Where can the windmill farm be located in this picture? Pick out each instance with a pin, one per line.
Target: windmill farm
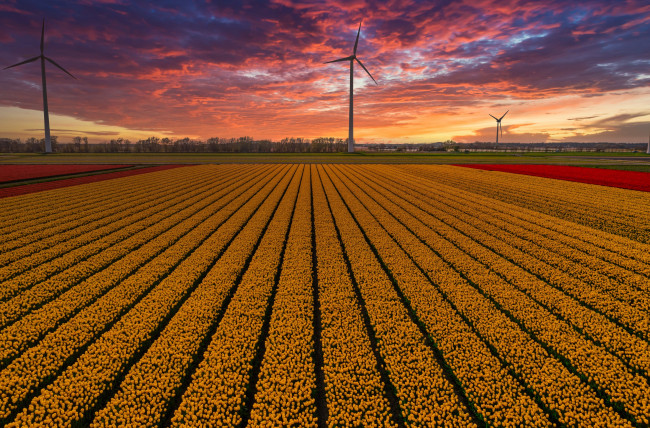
(257, 288)
(352, 58)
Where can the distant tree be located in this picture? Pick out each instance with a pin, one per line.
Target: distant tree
(55, 140)
(76, 141)
(450, 145)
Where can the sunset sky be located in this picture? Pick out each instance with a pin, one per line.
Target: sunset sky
(566, 70)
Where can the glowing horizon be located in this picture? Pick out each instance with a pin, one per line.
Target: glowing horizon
(566, 72)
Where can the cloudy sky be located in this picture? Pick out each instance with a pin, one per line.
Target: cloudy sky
(567, 70)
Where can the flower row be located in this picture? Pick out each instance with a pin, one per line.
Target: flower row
(354, 388)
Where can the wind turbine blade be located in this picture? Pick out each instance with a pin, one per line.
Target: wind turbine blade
(364, 67)
(347, 58)
(63, 69)
(42, 36)
(501, 128)
(356, 43)
(494, 118)
(24, 62)
(504, 115)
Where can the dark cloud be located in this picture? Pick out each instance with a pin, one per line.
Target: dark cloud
(582, 118)
(635, 132)
(617, 120)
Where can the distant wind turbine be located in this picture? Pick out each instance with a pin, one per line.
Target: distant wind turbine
(648, 151)
(43, 58)
(353, 58)
(499, 127)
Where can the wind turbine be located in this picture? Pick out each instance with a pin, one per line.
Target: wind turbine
(499, 127)
(648, 151)
(43, 58)
(353, 58)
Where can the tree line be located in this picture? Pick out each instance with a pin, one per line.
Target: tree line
(183, 145)
(288, 145)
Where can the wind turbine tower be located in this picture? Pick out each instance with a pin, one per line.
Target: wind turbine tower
(353, 58)
(499, 125)
(648, 151)
(43, 58)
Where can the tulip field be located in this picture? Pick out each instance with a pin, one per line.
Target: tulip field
(325, 295)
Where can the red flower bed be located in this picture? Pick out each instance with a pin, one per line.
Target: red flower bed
(25, 172)
(634, 180)
(31, 188)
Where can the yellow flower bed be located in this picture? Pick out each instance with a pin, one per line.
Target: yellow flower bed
(441, 295)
